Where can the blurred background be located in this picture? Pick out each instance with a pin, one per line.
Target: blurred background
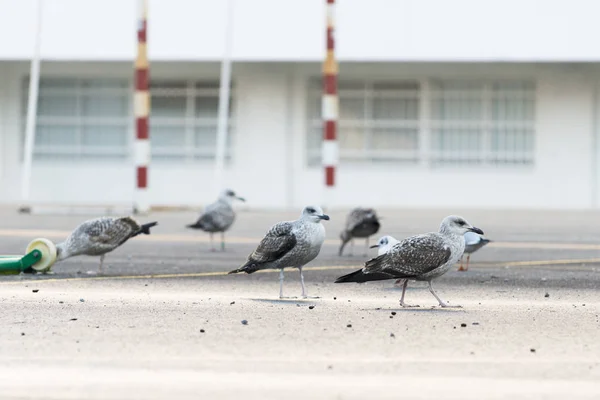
(483, 104)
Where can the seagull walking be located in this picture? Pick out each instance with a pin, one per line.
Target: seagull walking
(473, 242)
(423, 257)
(289, 244)
(360, 223)
(218, 217)
(99, 236)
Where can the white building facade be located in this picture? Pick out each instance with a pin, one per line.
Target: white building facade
(461, 103)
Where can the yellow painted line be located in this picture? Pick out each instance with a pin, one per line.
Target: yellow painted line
(316, 268)
(204, 238)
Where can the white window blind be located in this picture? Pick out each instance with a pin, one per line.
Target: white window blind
(183, 120)
(451, 122)
(81, 118)
(378, 121)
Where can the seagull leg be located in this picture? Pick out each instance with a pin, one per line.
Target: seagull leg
(399, 281)
(461, 264)
(366, 247)
(281, 283)
(351, 248)
(222, 241)
(212, 246)
(442, 304)
(468, 259)
(402, 303)
(302, 283)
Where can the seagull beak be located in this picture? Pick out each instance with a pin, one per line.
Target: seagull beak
(325, 217)
(241, 199)
(374, 246)
(476, 230)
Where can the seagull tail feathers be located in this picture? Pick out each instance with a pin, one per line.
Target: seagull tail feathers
(145, 228)
(195, 225)
(360, 277)
(248, 268)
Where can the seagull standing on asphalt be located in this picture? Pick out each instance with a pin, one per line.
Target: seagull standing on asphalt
(289, 244)
(360, 223)
(218, 217)
(99, 236)
(423, 257)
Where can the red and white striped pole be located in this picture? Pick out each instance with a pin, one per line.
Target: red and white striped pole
(330, 151)
(142, 111)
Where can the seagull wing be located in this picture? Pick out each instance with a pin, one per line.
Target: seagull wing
(111, 233)
(413, 256)
(278, 241)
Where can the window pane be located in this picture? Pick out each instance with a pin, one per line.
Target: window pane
(56, 135)
(206, 137)
(104, 106)
(352, 109)
(395, 139)
(208, 107)
(104, 136)
(57, 106)
(168, 136)
(396, 109)
(170, 107)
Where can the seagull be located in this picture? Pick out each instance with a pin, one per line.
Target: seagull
(384, 244)
(289, 244)
(218, 217)
(421, 257)
(99, 236)
(473, 242)
(360, 223)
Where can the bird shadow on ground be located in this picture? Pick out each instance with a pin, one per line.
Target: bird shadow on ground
(290, 301)
(415, 309)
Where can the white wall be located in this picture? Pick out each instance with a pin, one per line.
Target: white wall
(269, 166)
(293, 30)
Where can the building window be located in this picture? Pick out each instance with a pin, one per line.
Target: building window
(482, 122)
(378, 121)
(433, 122)
(79, 118)
(183, 120)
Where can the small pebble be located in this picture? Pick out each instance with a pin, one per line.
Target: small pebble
(475, 323)
(82, 300)
(22, 333)
(349, 326)
(201, 330)
(232, 303)
(330, 367)
(393, 312)
(311, 307)
(73, 319)
(35, 290)
(392, 335)
(463, 325)
(335, 298)
(244, 322)
(391, 316)
(61, 302)
(532, 350)
(547, 294)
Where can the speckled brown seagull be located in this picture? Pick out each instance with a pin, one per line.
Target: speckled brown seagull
(422, 257)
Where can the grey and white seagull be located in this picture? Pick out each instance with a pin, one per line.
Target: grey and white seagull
(384, 244)
(473, 242)
(423, 257)
(99, 236)
(360, 223)
(218, 217)
(289, 244)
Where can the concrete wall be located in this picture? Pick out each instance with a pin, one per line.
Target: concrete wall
(269, 161)
(293, 30)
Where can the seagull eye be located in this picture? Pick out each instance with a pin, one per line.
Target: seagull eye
(311, 210)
